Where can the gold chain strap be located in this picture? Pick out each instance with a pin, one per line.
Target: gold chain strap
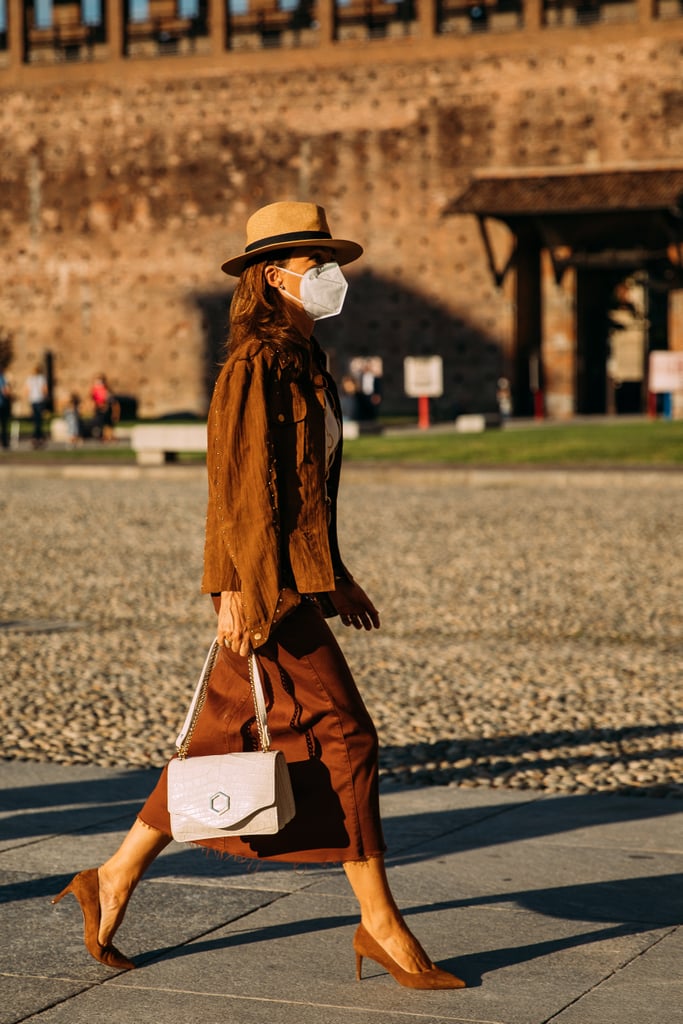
(265, 745)
(183, 749)
(201, 700)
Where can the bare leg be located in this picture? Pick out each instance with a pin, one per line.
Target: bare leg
(119, 875)
(380, 915)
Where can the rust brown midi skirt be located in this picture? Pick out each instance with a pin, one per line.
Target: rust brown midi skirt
(317, 718)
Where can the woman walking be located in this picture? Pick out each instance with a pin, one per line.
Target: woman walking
(273, 567)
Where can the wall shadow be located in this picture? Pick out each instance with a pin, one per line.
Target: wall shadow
(214, 307)
(92, 806)
(471, 967)
(621, 906)
(30, 812)
(489, 760)
(383, 318)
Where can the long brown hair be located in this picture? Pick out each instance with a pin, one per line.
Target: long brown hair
(259, 311)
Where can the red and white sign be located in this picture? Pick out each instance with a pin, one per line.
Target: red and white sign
(666, 372)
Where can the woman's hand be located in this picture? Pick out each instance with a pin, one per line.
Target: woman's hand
(232, 626)
(354, 606)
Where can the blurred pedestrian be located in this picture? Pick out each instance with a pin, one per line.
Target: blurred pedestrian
(37, 392)
(74, 420)
(5, 409)
(349, 399)
(106, 408)
(371, 387)
(504, 398)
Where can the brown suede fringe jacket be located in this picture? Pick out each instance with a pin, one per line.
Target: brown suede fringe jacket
(271, 527)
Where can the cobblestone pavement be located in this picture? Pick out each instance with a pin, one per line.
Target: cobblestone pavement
(531, 637)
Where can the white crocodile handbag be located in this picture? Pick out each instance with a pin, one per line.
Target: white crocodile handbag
(239, 794)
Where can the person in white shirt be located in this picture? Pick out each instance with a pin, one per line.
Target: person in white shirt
(36, 392)
(5, 408)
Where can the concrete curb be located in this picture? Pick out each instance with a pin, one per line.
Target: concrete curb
(413, 474)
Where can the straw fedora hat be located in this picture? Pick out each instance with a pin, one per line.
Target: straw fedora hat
(285, 225)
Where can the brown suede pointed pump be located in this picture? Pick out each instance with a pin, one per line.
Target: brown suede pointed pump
(365, 945)
(86, 888)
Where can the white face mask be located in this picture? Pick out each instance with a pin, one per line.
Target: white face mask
(323, 290)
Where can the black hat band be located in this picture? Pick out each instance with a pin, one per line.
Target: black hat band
(291, 236)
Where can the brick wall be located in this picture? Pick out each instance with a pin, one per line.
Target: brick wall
(118, 201)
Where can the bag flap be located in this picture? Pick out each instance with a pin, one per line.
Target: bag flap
(222, 789)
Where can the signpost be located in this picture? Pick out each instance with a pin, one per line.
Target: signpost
(665, 377)
(423, 379)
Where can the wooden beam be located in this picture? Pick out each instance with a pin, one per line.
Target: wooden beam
(327, 20)
(426, 18)
(646, 11)
(528, 324)
(498, 275)
(115, 29)
(533, 15)
(16, 34)
(217, 27)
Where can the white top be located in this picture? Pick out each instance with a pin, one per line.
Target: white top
(333, 433)
(36, 386)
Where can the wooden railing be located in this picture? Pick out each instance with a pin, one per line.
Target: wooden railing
(164, 31)
(373, 19)
(355, 19)
(589, 12)
(222, 25)
(464, 16)
(265, 24)
(67, 38)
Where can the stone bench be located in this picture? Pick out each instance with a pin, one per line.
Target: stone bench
(156, 443)
(477, 423)
(470, 423)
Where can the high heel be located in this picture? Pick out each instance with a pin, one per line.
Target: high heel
(433, 978)
(86, 888)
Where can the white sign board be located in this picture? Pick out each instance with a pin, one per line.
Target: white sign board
(423, 376)
(666, 372)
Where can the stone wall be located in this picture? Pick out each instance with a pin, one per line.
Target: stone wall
(119, 200)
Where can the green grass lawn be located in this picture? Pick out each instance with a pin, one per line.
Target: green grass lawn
(657, 443)
(646, 443)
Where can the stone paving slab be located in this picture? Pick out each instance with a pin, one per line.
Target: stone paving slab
(39, 800)
(22, 996)
(651, 990)
(598, 820)
(558, 908)
(429, 815)
(161, 917)
(112, 1005)
(502, 858)
(566, 883)
(301, 950)
(177, 864)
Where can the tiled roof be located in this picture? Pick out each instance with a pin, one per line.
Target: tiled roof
(595, 192)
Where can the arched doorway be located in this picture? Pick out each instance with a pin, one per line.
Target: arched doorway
(621, 233)
(621, 316)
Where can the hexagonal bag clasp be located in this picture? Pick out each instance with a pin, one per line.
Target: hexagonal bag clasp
(220, 803)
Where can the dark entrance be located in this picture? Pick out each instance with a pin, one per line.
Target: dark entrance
(593, 291)
(596, 390)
